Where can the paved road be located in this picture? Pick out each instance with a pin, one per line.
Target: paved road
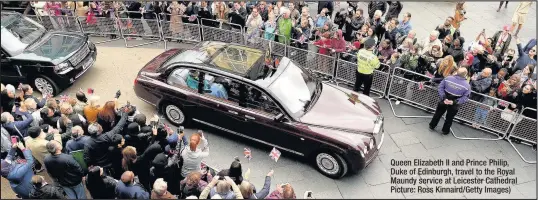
(116, 68)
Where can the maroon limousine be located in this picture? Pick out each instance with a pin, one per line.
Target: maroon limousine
(265, 98)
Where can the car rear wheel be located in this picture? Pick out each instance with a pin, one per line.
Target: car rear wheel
(45, 85)
(331, 165)
(175, 115)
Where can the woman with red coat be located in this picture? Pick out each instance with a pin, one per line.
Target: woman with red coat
(338, 43)
(324, 44)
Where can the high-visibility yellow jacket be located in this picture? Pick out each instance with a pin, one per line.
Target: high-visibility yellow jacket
(367, 62)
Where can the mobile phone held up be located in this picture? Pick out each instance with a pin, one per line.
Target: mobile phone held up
(14, 139)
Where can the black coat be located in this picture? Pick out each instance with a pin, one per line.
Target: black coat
(64, 170)
(7, 103)
(96, 151)
(376, 5)
(205, 13)
(134, 7)
(106, 125)
(48, 192)
(264, 14)
(238, 17)
(457, 53)
(527, 100)
(394, 10)
(170, 173)
(102, 190)
(326, 4)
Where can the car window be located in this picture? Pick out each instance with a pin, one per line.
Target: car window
(261, 103)
(222, 89)
(187, 78)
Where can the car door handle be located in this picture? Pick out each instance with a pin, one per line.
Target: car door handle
(233, 112)
(249, 117)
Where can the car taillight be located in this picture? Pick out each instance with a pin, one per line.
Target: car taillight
(136, 80)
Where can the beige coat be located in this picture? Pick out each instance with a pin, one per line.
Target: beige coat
(38, 146)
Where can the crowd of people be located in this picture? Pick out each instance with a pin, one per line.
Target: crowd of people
(111, 150)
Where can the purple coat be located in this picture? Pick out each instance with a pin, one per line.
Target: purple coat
(455, 86)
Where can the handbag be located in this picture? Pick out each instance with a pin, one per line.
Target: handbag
(509, 115)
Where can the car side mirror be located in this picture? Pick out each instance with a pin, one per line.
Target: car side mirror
(279, 117)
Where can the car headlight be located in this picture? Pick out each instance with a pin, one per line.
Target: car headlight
(62, 68)
(378, 124)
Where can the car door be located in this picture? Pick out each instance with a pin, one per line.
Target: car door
(180, 93)
(261, 125)
(10, 73)
(217, 108)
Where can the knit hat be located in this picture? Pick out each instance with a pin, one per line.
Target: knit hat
(369, 43)
(160, 161)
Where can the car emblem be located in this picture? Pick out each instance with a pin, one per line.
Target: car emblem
(354, 98)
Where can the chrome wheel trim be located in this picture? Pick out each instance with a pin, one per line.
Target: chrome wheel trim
(175, 114)
(43, 86)
(327, 163)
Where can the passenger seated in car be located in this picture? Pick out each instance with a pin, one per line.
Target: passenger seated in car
(218, 89)
(192, 81)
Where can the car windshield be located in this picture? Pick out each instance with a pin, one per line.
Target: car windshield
(18, 32)
(295, 89)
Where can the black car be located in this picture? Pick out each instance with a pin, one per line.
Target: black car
(50, 61)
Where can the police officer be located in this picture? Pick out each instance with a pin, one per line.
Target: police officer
(454, 91)
(367, 62)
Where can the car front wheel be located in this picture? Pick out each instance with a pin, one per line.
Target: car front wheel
(331, 165)
(175, 115)
(45, 85)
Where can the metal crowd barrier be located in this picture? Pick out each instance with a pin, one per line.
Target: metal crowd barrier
(148, 29)
(177, 29)
(264, 42)
(425, 97)
(101, 26)
(61, 23)
(346, 75)
(216, 32)
(320, 64)
(524, 130)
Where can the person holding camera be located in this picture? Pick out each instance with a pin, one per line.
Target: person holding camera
(193, 155)
(19, 171)
(108, 116)
(96, 151)
(222, 190)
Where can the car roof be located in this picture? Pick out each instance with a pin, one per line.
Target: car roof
(232, 59)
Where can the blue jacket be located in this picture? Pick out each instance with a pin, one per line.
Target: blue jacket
(22, 126)
(455, 86)
(76, 144)
(529, 45)
(523, 60)
(20, 175)
(134, 191)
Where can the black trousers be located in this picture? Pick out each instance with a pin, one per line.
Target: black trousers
(451, 111)
(365, 79)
